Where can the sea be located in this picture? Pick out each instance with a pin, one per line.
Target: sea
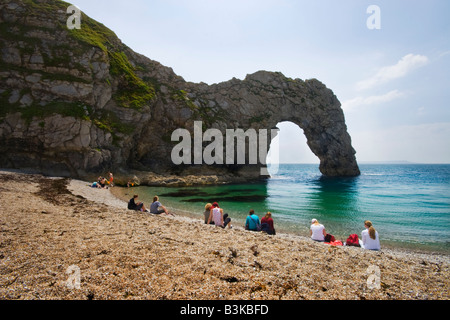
(408, 204)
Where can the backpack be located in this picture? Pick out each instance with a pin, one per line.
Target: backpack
(353, 240)
(329, 238)
(265, 227)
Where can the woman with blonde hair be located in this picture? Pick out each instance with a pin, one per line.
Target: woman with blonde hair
(267, 219)
(369, 237)
(317, 231)
(207, 212)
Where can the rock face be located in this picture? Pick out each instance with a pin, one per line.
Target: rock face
(78, 102)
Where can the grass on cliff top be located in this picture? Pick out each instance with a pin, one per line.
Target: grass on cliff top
(132, 92)
(95, 34)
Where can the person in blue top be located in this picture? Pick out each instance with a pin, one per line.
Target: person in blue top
(252, 221)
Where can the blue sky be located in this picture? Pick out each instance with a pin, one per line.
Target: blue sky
(393, 83)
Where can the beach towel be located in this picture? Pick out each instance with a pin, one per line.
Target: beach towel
(335, 243)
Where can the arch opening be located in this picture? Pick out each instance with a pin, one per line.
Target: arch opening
(289, 147)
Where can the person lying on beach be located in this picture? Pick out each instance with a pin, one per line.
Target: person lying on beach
(136, 205)
(157, 208)
(369, 237)
(317, 231)
(252, 221)
(100, 184)
(217, 217)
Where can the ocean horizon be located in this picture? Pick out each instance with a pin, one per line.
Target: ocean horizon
(408, 203)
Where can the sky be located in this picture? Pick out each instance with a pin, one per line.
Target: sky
(393, 80)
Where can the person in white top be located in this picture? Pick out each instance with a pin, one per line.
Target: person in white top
(216, 215)
(317, 231)
(369, 237)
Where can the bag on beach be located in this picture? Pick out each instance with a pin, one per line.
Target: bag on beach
(329, 238)
(265, 227)
(353, 240)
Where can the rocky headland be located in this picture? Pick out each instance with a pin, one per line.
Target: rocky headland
(77, 102)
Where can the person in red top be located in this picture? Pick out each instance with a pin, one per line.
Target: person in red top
(267, 219)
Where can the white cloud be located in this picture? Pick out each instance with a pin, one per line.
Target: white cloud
(354, 103)
(402, 68)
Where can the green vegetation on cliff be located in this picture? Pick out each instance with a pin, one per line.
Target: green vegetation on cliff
(132, 91)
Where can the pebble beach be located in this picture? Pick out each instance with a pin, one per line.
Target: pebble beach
(62, 240)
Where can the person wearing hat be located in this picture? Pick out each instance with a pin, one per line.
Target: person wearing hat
(317, 231)
(216, 215)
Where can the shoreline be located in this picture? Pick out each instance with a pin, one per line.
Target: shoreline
(130, 255)
(386, 245)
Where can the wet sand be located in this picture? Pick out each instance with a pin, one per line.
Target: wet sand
(49, 226)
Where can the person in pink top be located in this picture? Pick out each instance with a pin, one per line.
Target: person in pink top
(216, 215)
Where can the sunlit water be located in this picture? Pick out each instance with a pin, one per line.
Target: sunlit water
(409, 205)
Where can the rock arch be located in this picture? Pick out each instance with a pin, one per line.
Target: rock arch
(264, 99)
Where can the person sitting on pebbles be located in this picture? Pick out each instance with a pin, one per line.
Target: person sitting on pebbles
(157, 208)
(218, 218)
(136, 205)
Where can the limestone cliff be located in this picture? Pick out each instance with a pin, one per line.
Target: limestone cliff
(79, 102)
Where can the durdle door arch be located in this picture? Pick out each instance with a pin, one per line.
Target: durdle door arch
(265, 99)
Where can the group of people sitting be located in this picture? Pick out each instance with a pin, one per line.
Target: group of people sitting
(369, 236)
(252, 223)
(215, 215)
(155, 207)
(102, 183)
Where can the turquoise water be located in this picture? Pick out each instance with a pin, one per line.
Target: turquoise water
(409, 205)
